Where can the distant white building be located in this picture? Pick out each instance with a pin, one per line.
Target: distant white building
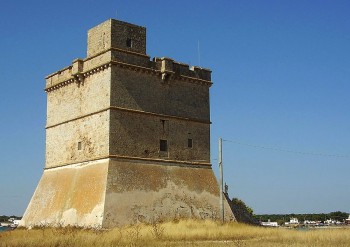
(332, 222)
(347, 221)
(292, 222)
(310, 222)
(270, 224)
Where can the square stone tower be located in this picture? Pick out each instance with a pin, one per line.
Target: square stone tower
(127, 138)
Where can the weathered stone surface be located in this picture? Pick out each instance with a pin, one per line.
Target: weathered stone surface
(92, 132)
(144, 142)
(79, 98)
(147, 92)
(114, 34)
(151, 192)
(108, 118)
(69, 195)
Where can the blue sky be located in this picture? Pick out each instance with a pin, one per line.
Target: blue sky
(281, 72)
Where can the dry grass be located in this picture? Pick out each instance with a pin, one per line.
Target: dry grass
(182, 233)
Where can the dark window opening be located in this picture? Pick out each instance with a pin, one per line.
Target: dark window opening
(165, 127)
(189, 143)
(129, 43)
(163, 145)
(163, 124)
(79, 145)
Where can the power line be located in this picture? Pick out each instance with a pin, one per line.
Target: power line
(278, 149)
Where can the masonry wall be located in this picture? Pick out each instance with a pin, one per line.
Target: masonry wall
(71, 195)
(151, 192)
(147, 92)
(62, 141)
(78, 99)
(113, 33)
(72, 119)
(138, 135)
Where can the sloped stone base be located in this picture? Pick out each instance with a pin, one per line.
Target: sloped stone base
(112, 192)
(69, 195)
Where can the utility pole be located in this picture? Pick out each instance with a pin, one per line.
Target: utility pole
(221, 181)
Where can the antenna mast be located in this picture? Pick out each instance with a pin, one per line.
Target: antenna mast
(199, 55)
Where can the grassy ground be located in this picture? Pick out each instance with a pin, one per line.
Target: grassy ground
(182, 233)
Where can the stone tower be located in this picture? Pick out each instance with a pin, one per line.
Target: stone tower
(127, 138)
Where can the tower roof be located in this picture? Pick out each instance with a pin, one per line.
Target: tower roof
(116, 34)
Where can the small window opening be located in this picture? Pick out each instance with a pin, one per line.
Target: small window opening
(163, 124)
(189, 143)
(79, 145)
(163, 145)
(129, 43)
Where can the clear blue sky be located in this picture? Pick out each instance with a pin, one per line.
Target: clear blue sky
(281, 73)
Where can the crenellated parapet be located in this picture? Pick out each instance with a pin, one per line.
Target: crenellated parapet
(166, 68)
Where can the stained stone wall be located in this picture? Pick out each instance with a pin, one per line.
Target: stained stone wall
(113, 33)
(76, 113)
(78, 99)
(148, 92)
(138, 135)
(150, 192)
(70, 195)
(62, 141)
(117, 192)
